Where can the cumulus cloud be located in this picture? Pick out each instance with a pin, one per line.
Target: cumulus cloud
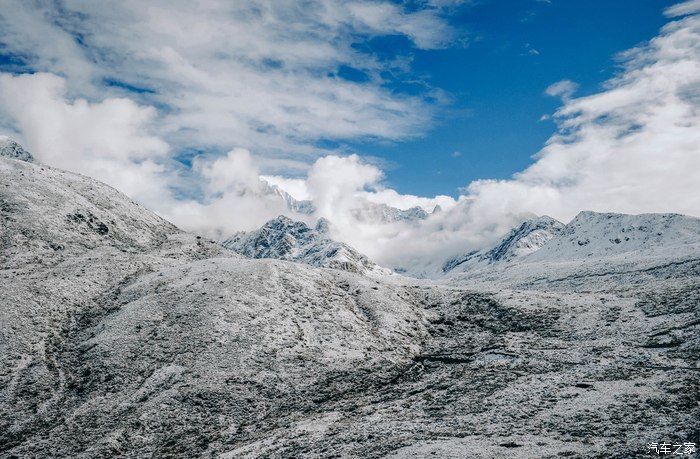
(633, 147)
(235, 198)
(111, 140)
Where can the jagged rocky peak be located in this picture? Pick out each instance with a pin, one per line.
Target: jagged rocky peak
(528, 237)
(286, 239)
(305, 207)
(11, 149)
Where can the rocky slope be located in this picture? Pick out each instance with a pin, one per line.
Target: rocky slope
(122, 336)
(286, 239)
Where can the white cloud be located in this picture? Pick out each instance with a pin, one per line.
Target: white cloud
(260, 75)
(111, 140)
(420, 26)
(564, 89)
(235, 197)
(634, 147)
(689, 7)
(234, 172)
(254, 77)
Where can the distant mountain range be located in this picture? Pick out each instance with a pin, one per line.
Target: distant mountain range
(589, 239)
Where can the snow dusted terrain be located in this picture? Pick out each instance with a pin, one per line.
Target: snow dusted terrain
(122, 336)
(604, 250)
(528, 237)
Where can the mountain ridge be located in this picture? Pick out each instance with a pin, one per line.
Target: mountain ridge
(527, 237)
(123, 336)
(285, 239)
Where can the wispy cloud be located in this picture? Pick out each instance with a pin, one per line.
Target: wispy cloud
(261, 75)
(564, 89)
(680, 9)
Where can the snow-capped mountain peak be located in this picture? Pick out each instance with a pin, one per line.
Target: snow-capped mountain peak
(11, 149)
(287, 239)
(529, 236)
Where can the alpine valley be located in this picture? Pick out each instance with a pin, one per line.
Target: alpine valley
(124, 336)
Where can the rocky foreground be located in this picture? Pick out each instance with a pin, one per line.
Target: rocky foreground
(122, 336)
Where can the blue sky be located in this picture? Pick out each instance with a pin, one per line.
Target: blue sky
(515, 50)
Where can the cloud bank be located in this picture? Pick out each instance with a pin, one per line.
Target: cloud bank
(633, 147)
(117, 89)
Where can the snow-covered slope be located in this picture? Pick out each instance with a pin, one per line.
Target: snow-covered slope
(286, 239)
(592, 235)
(114, 322)
(526, 238)
(601, 251)
(54, 214)
(122, 336)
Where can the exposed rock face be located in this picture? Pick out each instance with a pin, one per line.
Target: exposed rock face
(285, 239)
(122, 336)
(11, 149)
